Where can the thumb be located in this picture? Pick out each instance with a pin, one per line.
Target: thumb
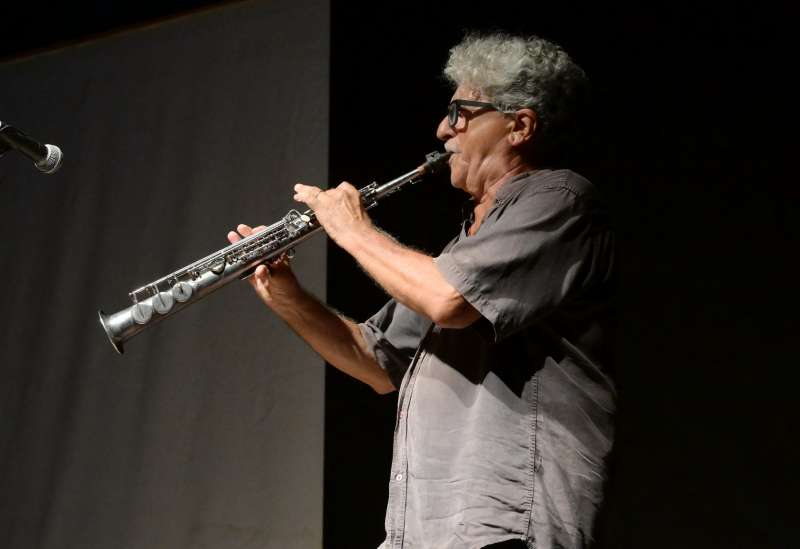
(260, 277)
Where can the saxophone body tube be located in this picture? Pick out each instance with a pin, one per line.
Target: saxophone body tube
(188, 285)
(174, 292)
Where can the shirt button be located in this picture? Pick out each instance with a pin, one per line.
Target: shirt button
(398, 477)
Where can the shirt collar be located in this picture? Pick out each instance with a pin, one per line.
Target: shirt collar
(510, 187)
(504, 193)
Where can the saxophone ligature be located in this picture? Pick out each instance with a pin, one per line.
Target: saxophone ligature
(164, 297)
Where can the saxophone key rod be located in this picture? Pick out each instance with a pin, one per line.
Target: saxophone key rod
(169, 294)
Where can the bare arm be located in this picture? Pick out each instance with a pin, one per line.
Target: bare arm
(409, 276)
(336, 338)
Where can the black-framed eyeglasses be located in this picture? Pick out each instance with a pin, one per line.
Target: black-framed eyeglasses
(454, 109)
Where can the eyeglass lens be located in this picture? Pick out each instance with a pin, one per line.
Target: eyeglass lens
(452, 114)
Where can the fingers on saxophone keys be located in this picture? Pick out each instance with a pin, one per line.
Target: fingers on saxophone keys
(281, 262)
(306, 193)
(243, 230)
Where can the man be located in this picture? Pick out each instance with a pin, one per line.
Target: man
(499, 345)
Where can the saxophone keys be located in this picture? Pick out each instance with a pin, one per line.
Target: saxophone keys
(163, 302)
(182, 291)
(218, 266)
(142, 313)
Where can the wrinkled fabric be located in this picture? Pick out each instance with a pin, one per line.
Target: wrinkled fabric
(504, 427)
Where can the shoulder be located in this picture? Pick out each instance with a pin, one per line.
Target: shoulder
(543, 181)
(548, 189)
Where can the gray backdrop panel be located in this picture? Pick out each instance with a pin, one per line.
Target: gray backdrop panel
(208, 433)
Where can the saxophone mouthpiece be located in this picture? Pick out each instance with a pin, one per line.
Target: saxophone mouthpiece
(435, 161)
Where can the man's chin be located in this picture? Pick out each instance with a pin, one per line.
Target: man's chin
(456, 180)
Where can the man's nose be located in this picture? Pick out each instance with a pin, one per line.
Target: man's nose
(444, 131)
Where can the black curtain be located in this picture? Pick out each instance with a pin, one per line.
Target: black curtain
(691, 142)
(208, 432)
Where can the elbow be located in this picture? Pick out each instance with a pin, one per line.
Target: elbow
(454, 312)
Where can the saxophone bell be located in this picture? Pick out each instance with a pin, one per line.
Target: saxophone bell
(166, 296)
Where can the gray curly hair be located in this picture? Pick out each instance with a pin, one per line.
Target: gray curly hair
(516, 72)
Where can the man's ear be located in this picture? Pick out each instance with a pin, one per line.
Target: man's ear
(524, 128)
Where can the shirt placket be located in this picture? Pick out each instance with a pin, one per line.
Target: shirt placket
(398, 484)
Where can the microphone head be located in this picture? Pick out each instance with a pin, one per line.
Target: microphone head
(52, 162)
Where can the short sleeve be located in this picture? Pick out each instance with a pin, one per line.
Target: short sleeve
(533, 252)
(393, 335)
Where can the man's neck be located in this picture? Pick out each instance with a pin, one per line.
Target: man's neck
(485, 202)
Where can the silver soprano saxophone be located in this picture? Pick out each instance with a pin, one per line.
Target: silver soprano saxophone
(164, 297)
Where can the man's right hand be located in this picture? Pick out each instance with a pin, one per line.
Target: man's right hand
(336, 338)
(274, 282)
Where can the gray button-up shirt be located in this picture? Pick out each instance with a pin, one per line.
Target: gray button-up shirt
(503, 427)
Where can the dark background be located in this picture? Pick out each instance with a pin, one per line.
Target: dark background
(690, 140)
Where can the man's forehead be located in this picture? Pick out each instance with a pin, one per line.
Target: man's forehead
(465, 92)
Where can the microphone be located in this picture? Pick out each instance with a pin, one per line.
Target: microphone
(47, 158)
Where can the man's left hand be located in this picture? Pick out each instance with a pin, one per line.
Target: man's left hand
(339, 210)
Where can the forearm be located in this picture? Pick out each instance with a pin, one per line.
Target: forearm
(334, 337)
(407, 275)
(411, 277)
